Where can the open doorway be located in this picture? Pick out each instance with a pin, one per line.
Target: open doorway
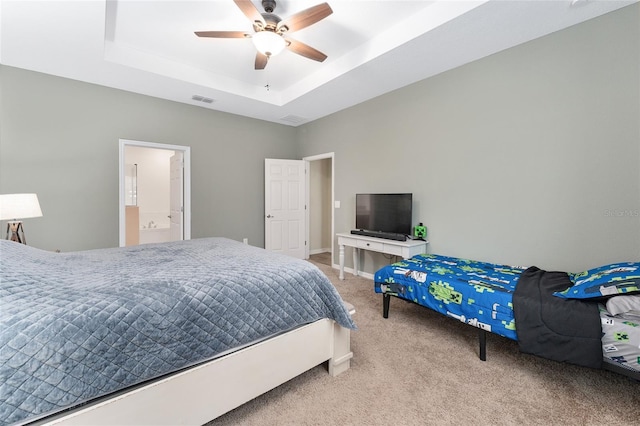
(320, 213)
(154, 193)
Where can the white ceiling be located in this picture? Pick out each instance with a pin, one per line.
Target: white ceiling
(373, 47)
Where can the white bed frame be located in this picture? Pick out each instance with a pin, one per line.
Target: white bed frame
(199, 395)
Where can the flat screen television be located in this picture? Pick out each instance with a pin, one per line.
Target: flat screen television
(388, 213)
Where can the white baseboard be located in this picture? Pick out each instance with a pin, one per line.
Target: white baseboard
(319, 251)
(349, 271)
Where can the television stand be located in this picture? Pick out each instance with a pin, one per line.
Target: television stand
(406, 249)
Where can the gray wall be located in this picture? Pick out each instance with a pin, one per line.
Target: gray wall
(529, 156)
(59, 139)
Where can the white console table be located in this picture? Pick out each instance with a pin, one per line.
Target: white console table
(406, 249)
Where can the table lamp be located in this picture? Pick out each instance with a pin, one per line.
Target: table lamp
(18, 206)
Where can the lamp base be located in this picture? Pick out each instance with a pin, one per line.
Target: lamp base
(15, 232)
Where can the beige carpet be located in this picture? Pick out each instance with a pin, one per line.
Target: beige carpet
(419, 367)
(322, 258)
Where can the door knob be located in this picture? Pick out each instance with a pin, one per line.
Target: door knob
(269, 216)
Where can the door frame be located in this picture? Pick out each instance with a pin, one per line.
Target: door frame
(178, 156)
(186, 195)
(331, 156)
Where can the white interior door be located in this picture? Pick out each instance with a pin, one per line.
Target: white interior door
(284, 206)
(176, 197)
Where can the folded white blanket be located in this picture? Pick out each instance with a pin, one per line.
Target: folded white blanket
(628, 304)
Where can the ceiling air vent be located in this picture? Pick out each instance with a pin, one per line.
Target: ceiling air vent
(293, 119)
(202, 99)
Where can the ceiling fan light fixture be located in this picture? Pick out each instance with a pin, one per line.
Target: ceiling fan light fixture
(268, 43)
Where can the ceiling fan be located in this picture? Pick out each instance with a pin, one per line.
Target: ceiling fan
(271, 32)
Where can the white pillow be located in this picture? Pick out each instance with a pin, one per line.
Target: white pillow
(624, 304)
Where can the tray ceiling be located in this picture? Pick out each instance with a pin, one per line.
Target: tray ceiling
(373, 47)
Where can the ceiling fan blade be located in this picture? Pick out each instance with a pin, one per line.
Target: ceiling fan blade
(222, 34)
(250, 11)
(261, 61)
(305, 18)
(305, 50)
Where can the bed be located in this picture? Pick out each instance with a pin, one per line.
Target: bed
(590, 318)
(172, 333)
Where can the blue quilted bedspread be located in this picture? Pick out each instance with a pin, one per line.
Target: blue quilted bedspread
(76, 326)
(477, 293)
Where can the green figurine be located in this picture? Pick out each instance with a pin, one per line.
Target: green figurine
(420, 231)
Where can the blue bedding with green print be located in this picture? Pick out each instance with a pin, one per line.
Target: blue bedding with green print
(557, 312)
(474, 292)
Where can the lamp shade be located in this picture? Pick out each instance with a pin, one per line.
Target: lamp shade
(268, 43)
(19, 206)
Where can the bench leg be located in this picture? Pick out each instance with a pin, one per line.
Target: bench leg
(385, 305)
(483, 345)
